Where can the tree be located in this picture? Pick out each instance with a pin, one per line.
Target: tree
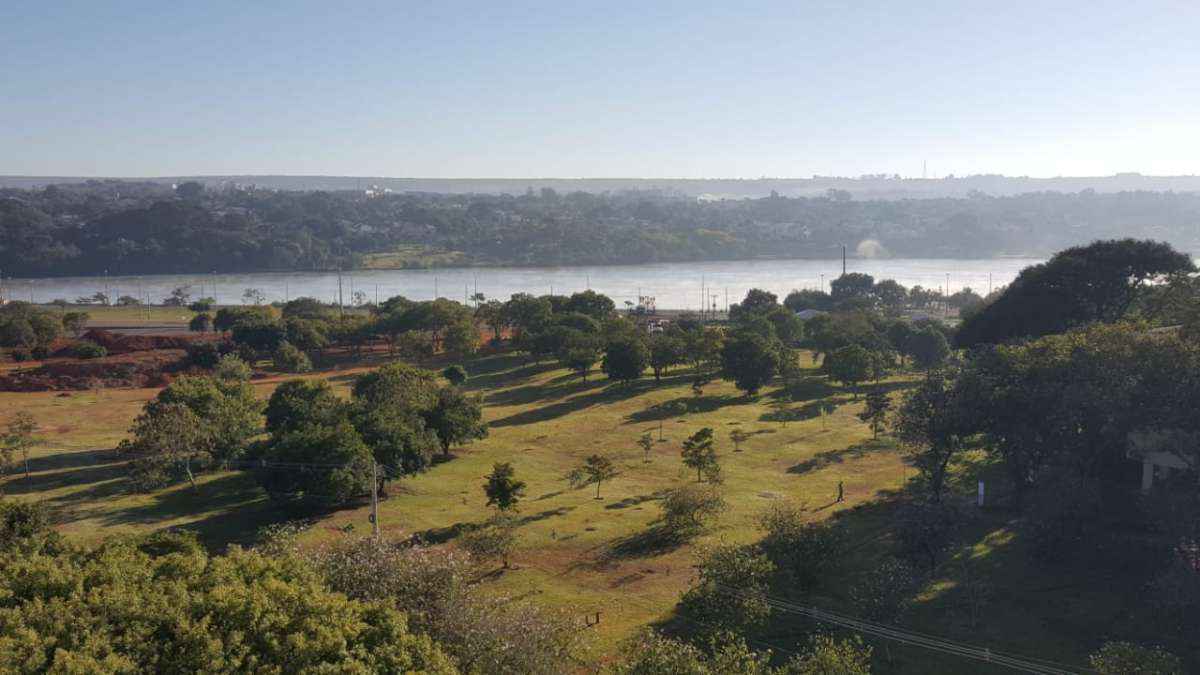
(180, 297)
(646, 443)
(665, 351)
(890, 294)
(298, 402)
(935, 423)
(18, 438)
(1126, 658)
(827, 655)
(757, 301)
(698, 453)
(201, 323)
(75, 322)
(169, 441)
(492, 314)
(230, 368)
(593, 304)
(456, 375)
(461, 338)
(875, 412)
(731, 592)
(625, 358)
(253, 296)
(227, 410)
(456, 418)
(929, 348)
(687, 509)
(852, 286)
(326, 465)
(502, 488)
(595, 469)
(579, 353)
(750, 360)
(161, 603)
(798, 301)
(289, 359)
(849, 365)
(202, 305)
(1077, 286)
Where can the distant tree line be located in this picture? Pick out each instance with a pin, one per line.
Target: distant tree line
(126, 227)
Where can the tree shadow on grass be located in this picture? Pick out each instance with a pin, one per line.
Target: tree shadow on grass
(635, 501)
(654, 541)
(609, 394)
(694, 404)
(823, 459)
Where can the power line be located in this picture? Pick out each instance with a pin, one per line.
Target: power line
(916, 639)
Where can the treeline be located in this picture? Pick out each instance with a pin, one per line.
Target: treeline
(127, 228)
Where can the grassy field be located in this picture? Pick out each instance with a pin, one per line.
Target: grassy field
(580, 553)
(413, 256)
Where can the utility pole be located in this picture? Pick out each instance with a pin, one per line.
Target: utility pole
(375, 498)
(843, 260)
(435, 289)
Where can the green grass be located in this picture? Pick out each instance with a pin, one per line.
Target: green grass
(544, 421)
(413, 256)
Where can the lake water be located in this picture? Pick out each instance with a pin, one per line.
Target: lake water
(673, 285)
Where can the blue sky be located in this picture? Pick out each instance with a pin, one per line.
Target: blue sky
(475, 89)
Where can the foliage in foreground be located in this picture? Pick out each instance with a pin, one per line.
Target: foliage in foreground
(161, 604)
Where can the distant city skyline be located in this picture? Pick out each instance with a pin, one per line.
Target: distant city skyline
(623, 90)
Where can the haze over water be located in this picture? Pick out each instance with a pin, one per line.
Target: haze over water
(673, 285)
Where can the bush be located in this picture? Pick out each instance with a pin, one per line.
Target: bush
(455, 375)
(40, 352)
(439, 592)
(687, 510)
(21, 520)
(201, 323)
(20, 355)
(204, 355)
(289, 359)
(230, 368)
(804, 552)
(826, 655)
(86, 349)
(161, 604)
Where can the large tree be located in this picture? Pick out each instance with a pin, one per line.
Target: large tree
(750, 360)
(1080, 285)
(625, 358)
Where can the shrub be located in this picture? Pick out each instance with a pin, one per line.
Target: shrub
(439, 593)
(161, 604)
(20, 355)
(687, 510)
(204, 355)
(230, 368)
(455, 375)
(289, 359)
(826, 655)
(86, 349)
(40, 352)
(21, 520)
(201, 323)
